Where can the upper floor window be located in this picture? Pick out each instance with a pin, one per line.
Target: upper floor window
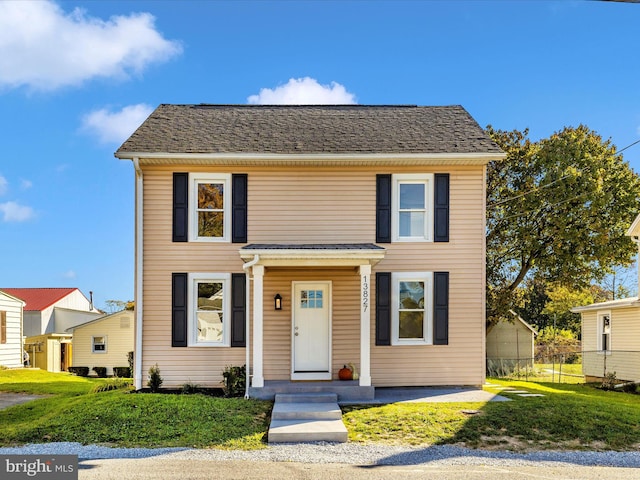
(208, 294)
(209, 207)
(412, 205)
(604, 332)
(411, 296)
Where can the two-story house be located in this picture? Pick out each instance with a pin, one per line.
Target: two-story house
(298, 239)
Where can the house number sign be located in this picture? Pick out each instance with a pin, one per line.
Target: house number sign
(365, 293)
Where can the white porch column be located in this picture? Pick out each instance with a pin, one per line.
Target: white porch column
(258, 376)
(365, 325)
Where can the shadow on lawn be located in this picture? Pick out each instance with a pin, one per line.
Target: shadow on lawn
(560, 426)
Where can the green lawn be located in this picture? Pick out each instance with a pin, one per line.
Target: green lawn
(119, 418)
(569, 417)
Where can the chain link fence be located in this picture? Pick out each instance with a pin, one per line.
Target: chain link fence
(569, 367)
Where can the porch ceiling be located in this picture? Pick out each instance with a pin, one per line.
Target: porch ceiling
(314, 255)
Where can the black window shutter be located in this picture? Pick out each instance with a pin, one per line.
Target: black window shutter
(179, 310)
(441, 308)
(383, 208)
(383, 308)
(239, 208)
(441, 208)
(238, 309)
(180, 207)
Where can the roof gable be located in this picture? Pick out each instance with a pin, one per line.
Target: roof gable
(12, 298)
(634, 229)
(307, 130)
(38, 299)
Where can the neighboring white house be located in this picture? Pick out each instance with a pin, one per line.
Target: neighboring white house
(48, 313)
(611, 333)
(104, 342)
(53, 310)
(10, 330)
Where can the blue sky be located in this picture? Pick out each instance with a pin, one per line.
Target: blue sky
(76, 78)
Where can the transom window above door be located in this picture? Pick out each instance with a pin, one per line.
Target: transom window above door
(311, 299)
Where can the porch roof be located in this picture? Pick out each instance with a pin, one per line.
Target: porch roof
(320, 255)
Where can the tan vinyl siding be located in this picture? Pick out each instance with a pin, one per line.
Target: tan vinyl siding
(118, 330)
(320, 205)
(624, 357)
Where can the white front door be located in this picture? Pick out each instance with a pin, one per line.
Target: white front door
(311, 331)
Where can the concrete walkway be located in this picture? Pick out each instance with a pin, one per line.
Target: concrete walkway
(384, 395)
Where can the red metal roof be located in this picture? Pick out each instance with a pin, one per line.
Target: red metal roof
(37, 299)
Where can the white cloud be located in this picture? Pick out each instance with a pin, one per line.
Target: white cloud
(69, 274)
(303, 91)
(45, 48)
(14, 212)
(117, 126)
(4, 185)
(26, 184)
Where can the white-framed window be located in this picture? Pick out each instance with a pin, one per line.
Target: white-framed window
(209, 207)
(604, 332)
(210, 304)
(99, 344)
(411, 314)
(412, 206)
(3, 326)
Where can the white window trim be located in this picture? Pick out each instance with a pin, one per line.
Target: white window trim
(599, 327)
(192, 295)
(427, 180)
(93, 344)
(194, 180)
(427, 278)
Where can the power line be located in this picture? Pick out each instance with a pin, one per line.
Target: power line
(540, 187)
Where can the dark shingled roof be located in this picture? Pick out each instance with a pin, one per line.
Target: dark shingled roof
(309, 129)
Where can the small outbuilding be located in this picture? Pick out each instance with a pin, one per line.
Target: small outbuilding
(104, 342)
(510, 344)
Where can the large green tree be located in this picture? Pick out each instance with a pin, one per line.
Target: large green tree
(557, 209)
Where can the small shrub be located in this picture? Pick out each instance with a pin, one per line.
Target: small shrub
(189, 388)
(234, 381)
(154, 379)
(80, 371)
(609, 381)
(100, 371)
(122, 372)
(2, 367)
(112, 384)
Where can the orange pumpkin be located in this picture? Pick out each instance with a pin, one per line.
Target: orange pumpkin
(345, 373)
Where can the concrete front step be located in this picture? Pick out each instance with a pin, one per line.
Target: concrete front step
(285, 431)
(306, 411)
(311, 397)
(347, 391)
(306, 417)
